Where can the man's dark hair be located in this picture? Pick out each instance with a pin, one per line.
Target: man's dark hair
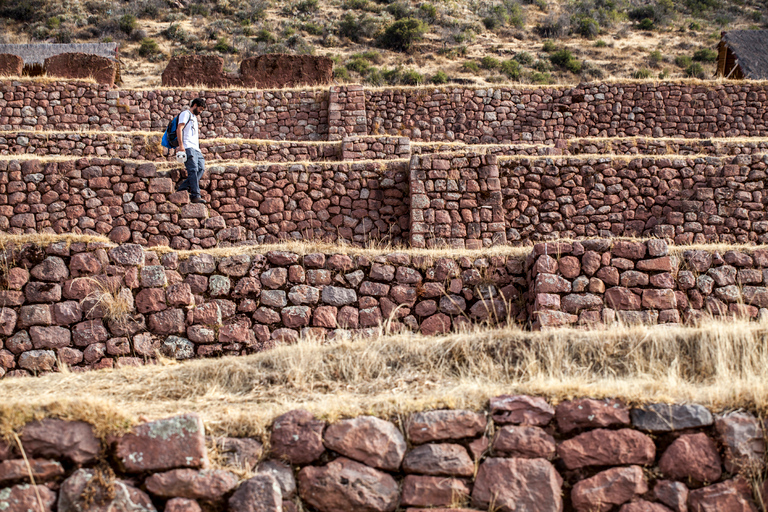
(198, 101)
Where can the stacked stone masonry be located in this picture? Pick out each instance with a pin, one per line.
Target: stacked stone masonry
(96, 306)
(146, 146)
(528, 114)
(461, 200)
(521, 454)
(357, 202)
(603, 281)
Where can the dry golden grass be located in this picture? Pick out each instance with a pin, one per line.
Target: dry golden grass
(45, 79)
(42, 239)
(720, 364)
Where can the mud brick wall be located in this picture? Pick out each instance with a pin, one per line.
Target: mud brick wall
(582, 455)
(545, 114)
(603, 281)
(456, 201)
(263, 203)
(375, 148)
(688, 200)
(96, 305)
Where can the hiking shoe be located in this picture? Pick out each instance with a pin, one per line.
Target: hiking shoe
(198, 200)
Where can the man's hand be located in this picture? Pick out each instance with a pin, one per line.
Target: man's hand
(181, 157)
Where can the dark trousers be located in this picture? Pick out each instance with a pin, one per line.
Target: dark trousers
(195, 169)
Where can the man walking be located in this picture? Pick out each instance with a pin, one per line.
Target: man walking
(189, 149)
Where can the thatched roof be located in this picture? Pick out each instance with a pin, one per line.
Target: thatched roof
(37, 53)
(751, 50)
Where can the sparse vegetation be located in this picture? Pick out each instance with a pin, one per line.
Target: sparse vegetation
(402, 34)
(705, 55)
(565, 59)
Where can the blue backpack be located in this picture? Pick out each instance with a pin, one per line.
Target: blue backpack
(170, 138)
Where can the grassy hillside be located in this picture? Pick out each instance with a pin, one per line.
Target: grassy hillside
(383, 42)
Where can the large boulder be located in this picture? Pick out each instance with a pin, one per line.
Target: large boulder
(608, 488)
(11, 65)
(59, 439)
(274, 71)
(82, 65)
(372, 441)
(165, 444)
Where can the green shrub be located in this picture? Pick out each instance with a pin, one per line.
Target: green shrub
(489, 62)
(554, 25)
(642, 73)
(306, 6)
(340, 73)
(265, 36)
(174, 32)
(509, 12)
(705, 55)
(549, 46)
(470, 66)
(465, 36)
(439, 78)
(646, 24)
(223, 46)
(313, 29)
(695, 70)
(600, 44)
(565, 59)
(127, 23)
(22, 10)
(586, 26)
(402, 34)
(375, 77)
(698, 7)
(411, 77)
(524, 58)
(428, 12)
(358, 65)
(541, 78)
(148, 47)
(683, 61)
(356, 28)
(53, 22)
(694, 26)
(664, 74)
(655, 57)
(399, 10)
(511, 68)
(355, 4)
(199, 10)
(542, 66)
(391, 76)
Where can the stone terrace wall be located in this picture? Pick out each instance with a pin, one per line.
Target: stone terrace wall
(59, 303)
(148, 147)
(545, 114)
(582, 455)
(688, 200)
(603, 281)
(456, 201)
(264, 203)
(423, 114)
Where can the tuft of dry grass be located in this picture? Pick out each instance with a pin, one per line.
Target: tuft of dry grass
(721, 365)
(42, 239)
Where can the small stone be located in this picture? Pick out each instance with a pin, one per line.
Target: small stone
(164, 444)
(439, 460)
(430, 491)
(336, 296)
(372, 441)
(670, 417)
(730, 496)
(672, 494)
(24, 498)
(284, 475)
(127, 254)
(521, 409)
(643, 506)
(182, 505)
(53, 438)
(743, 438)
(524, 442)
(260, 493)
(514, 485)
(589, 413)
(297, 437)
(608, 488)
(348, 485)
(692, 456)
(239, 452)
(602, 447)
(445, 425)
(40, 469)
(205, 484)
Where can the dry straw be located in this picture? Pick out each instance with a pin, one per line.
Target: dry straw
(719, 364)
